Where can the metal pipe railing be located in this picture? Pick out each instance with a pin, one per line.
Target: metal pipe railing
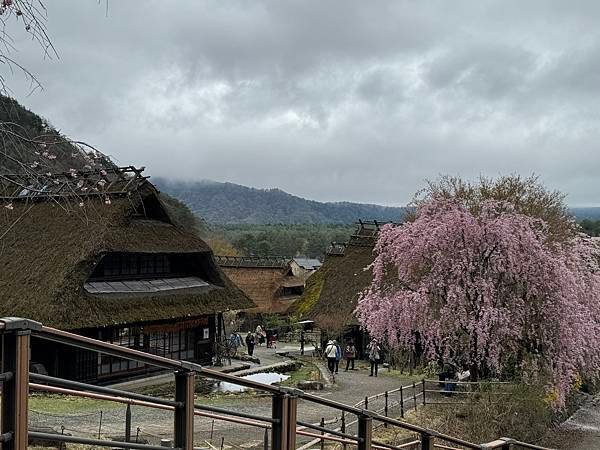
(83, 342)
(218, 410)
(283, 424)
(101, 390)
(109, 398)
(86, 343)
(328, 431)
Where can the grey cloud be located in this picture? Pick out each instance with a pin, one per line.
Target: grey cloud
(339, 100)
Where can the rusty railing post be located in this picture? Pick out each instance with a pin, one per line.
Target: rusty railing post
(427, 441)
(365, 432)
(292, 405)
(279, 430)
(366, 402)
(184, 414)
(15, 364)
(507, 444)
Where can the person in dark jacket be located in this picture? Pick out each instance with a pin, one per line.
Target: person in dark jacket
(374, 355)
(250, 343)
(350, 355)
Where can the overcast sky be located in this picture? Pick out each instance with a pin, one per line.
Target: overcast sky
(329, 100)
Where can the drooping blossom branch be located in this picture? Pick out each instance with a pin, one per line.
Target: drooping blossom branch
(489, 289)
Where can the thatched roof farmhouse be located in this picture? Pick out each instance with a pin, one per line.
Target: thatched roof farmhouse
(268, 281)
(112, 266)
(331, 293)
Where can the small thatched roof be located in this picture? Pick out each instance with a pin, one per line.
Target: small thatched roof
(280, 262)
(262, 280)
(50, 248)
(331, 294)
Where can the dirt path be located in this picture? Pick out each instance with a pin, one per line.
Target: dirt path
(350, 388)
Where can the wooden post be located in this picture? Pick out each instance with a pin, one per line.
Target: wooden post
(385, 407)
(184, 415)
(128, 424)
(365, 432)
(423, 391)
(15, 356)
(415, 395)
(402, 402)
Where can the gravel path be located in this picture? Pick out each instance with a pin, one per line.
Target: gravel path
(350, 388)
(584, 426)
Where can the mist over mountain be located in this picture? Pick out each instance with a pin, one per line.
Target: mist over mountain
(229, 203)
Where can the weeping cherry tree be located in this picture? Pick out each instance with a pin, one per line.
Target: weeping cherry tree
(475, 278)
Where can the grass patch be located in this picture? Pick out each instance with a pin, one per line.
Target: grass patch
(306, 372)
(67, 404)
(519, 412)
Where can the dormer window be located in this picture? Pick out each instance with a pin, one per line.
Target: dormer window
(144, 265)
(149, 273)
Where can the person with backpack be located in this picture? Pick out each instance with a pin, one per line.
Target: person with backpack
(338, 356)
(330, 352)
(350, 355)
(374, 353)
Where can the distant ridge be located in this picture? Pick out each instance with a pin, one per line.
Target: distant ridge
(590, 213)
(229, 203)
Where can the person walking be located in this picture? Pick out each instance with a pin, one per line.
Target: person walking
(374, 354)
(350, 355)
(330, 352)
(250, 343)
(260, 335)
(338, 356)
(233, 343)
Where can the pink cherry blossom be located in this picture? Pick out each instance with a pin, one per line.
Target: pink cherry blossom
(489, 289)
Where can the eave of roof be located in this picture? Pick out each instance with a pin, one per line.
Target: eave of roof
(45, 261)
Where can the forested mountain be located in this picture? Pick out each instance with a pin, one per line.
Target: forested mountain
(228, 203)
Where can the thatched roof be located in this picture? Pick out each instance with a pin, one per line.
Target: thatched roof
(263, 280)
(50, 248)
(331, 294)
(280, 262)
